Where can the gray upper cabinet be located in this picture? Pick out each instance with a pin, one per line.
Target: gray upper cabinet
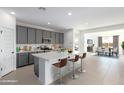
(46, 37)
(44, 34)
(31, 36)
(21, 33)
(39, 37)
(26, 35)
(57, 38)
(61, 38)
(53, 37)
(48, 34)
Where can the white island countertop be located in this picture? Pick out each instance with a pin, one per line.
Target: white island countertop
(52, 55)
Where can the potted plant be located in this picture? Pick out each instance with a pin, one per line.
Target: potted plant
(122, 45)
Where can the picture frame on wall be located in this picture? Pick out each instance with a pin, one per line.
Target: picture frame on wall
(89, 41)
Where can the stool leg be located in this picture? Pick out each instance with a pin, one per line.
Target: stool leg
(81, 68)
(73, 71)
(74, 76)
(60, 76)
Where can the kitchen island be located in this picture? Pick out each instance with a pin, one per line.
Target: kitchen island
(44, 69)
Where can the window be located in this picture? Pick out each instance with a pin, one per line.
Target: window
(107, 41)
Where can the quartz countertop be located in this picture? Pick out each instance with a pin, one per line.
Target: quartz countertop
(30, 51)
(52, 55)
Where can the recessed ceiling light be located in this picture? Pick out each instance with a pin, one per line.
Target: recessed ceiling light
(69, 13)
(48, 23)
(13, 13)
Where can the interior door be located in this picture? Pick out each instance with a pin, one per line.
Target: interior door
(7, 50)
(0, 50)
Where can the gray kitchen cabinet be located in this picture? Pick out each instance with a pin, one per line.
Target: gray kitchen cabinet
(39, 37)
(31, 36)
(44, 37)
(57, 38)
(36, 66)
(61, 38)
(31, 58)
(21, 35)
(47, 37)
(48, 34)
(44, 34)
(22, 59)
(53, 37)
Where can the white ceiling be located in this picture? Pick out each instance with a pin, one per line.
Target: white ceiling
(57, 16)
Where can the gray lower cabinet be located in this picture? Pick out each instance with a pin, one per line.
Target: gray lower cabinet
(39, 37)
(22, 59)
(21, 35)
(31, 36)
(31, 58)
(36, 66)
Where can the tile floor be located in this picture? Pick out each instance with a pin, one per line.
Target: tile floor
(99, 71)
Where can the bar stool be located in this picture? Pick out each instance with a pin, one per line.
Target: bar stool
(82, 57)
(74, 76)
(62, 63)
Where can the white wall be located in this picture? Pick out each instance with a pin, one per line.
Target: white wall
(9, 21)
(92, 36)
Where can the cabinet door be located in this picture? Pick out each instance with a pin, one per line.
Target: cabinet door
(22, 59)
(44, 34)
(53, 37)
(31, 58)
(48, 34)
(61, 38)
(44, 37)
(21, 35)
(36, 66)
(57, 38)
(31, 36)
(39, 37)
